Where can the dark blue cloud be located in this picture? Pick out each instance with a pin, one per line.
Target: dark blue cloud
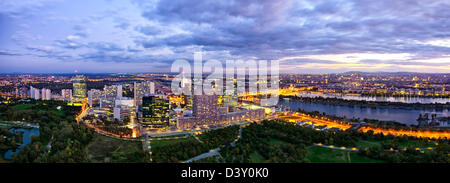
(149, 30)
(271, 28)
(160, 32)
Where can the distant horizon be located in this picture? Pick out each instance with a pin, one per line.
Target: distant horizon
(305, 36)
(92, 73)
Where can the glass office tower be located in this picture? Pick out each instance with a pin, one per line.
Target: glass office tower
(155, 112)
(79, 88)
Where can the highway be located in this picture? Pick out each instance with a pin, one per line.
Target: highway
(82, 114)
(295, 117)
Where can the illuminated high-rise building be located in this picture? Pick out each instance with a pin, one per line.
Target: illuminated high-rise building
(155, 112)
(46, 94)
(79, 88)
(229, 99)
(123, 107)
(32, 92)
(142, 89)
(205, 105)
(119, 91)
(43, 94)
(66, 94)
(94, 96)
(35, 93)
(110, 91)
(206, 113)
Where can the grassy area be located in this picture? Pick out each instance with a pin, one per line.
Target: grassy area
(406, 144)
(255, 157)
(416, 144)
(157, 142)
(107, 149)
(216, 138)
(20, 107)
(368, 143)
(276, 141)
(23, 106)
(60, 112)
(5, 161)
(176, 150)
(326, 155)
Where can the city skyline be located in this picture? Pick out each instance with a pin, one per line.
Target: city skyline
(307, 37)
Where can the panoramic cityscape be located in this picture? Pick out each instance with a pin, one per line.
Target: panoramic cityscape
(225, 82)
(404, 114)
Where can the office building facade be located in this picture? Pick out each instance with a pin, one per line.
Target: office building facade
(79, 88)
(155, 112)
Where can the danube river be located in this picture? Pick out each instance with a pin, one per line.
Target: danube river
(405, 116)
(26, 138)
(409, 100)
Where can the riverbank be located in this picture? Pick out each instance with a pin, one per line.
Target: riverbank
(405, 116)
(370, 104)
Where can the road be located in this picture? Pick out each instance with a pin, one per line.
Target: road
(296, 117)
(170, 138)
(82, 114)
(18, 124)
(238, 137)
(195, 136)
(356, 149)
(189, 132)
(338, 148)
(214, 152)
(148, 146)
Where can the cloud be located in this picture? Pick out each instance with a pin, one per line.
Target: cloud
(269, 28)
(69, 44)
(105, 46)
(306, 31)
(9, 53)
(149, 30)
(123, 25)
(45, 49)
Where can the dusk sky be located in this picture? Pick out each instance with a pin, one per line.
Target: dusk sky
(61, 36)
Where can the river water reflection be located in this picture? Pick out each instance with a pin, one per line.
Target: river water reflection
(26, 137)
(405, 116)
(423, 100)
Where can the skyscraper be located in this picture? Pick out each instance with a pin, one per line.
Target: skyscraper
(117, 113)
(94, 96)
(155, 112)
(66, 94)
(142, 89)
(229, 99)
(123, 107)
(32, 92)
(35, 93)
(206, 112)
(205, 105)
(79, 88)
(119, 91)
(43, 94)
(110, 91)
(46, 94)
